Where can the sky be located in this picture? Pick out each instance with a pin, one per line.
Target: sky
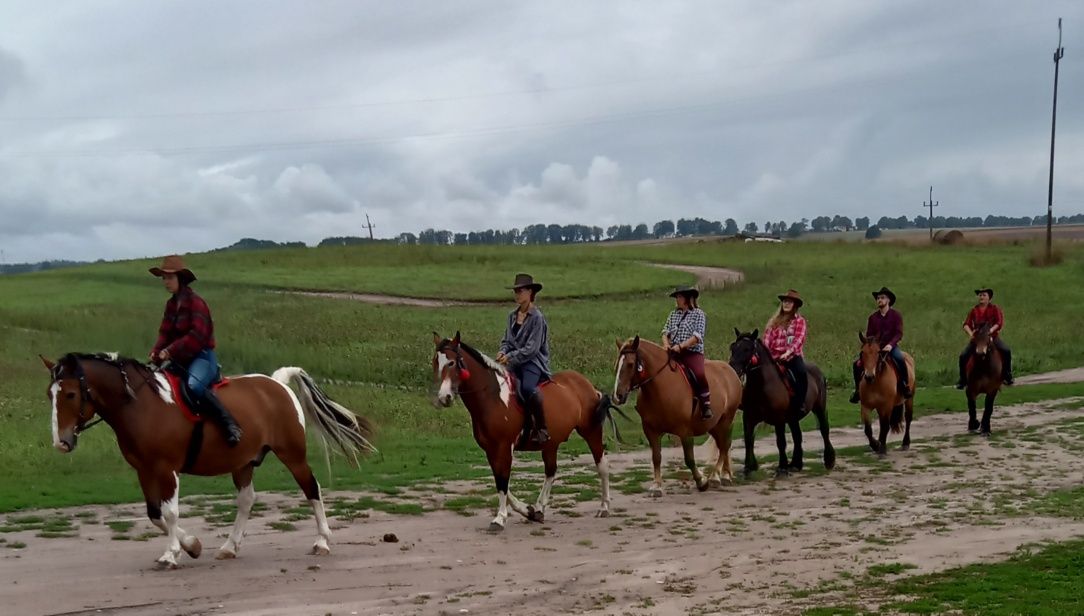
(132, 128)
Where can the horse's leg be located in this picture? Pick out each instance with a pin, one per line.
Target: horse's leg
(822, 424)
(500, 462)
(302, 472)
(725, 427)
(987, 413)
(972, 420)
(514, 503)
(720, 468)
(749, 428)
(690, 462)
(796, 449)
(598, 452)
(908, 414)
(882, 446)
(655, 440)
(246, 496)
(549, 463)
(162, 491)
(867, 426)
(781, 445)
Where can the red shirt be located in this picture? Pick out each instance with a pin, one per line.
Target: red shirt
(791, 338)
(186, 326)
(991, 314)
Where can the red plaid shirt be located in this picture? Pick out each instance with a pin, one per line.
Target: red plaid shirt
(991, 314)
(186, 327)
(791, 338)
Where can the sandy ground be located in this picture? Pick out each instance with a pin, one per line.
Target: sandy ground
(1072, 375)
(740, 549)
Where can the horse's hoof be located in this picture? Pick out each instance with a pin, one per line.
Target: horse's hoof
(495, 528)
(782, 472)
(905, 447)
(875, 447)
(985, 434)
(320, 550)
(973, 430)
(603, 513)
(535, 515)
(165, 565)
(655, 492)
(702, 487)
(193, 548)
(796, 466)
(225, 555)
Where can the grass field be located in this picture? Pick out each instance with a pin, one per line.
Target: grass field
(593, 294)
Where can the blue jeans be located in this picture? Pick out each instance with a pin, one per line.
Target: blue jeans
(528, 376)
(202, 372)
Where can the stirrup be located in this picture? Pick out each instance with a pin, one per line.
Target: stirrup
(539, 436)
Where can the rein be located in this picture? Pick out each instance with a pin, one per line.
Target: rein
(86, 396)
(670, 363)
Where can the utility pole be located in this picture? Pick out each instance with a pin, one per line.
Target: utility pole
(368, 225)
(931, 205)
(1058, 54)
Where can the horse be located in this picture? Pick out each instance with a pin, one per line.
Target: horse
(983, 378)
(571, 403)
(877, 390)
(665, 405)
(159, 441)
(765, 398)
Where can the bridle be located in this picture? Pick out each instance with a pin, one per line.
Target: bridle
(462, 373)
(640, 371)
(754, 359)
(86, 397)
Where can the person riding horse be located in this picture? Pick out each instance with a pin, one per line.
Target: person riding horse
(683, 337)
(525, 349)
(886, 325)
(186, 339)
(784, 336)
(990, 314)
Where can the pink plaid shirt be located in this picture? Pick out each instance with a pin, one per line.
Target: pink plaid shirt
(791, 338)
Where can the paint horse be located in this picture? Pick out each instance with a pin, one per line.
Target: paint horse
(767, 398)
(877, 391)
(665, 405)
(486, 389)
(983, 378)
(157, 439)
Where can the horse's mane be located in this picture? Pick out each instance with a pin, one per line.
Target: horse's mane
(113, 359)
(483, 359)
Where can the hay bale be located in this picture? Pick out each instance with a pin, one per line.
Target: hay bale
(948, 236)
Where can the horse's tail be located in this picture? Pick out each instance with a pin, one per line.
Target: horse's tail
(895, 424)
(602, 414)
(349, 431)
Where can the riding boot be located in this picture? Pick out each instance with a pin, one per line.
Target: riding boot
(1006, 364)
(902, 388)
(857, 377)
(539, 434)
(963, 372)
(213, 406)
(705, 406)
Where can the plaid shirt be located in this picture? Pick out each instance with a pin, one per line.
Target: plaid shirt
(186, 327)
(684, 324)
(789, 339)
(992, 315)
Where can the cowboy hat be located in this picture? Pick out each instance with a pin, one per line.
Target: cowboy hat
(525, 280)
(174, 264)
(793, 296)
(886, 291)
(692, 292)
(986, 290)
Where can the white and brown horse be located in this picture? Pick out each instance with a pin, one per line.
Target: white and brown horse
(157, 440)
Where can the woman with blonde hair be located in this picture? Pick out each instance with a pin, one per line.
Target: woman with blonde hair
(784, 336)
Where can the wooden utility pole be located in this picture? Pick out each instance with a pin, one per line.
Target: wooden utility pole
(1058, 54)
(931, 205)
(368, 225)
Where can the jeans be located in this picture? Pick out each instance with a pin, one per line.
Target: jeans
(528, 375)
(202, 372)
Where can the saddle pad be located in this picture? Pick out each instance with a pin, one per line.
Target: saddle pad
(180, 395)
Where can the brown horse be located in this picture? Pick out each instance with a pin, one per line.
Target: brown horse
(571, 403)
(665, 405)
(159, 442)
(877, 390)
(765, 399)
(983, 378)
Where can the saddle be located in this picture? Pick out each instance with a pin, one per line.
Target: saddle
(184, 398)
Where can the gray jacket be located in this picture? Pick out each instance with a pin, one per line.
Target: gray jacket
(530, 344)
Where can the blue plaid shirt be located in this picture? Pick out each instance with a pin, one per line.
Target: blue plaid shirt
(684, 324)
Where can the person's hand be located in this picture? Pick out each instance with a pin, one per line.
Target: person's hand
(888, 348)
(675, 348)
(502, 359)
(784, 356)
(163, 355)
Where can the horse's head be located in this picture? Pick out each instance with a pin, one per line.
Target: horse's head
(743, 352)
(72, 400)
(449, 369)
(629, 368)
(981, 340)
(870, 356)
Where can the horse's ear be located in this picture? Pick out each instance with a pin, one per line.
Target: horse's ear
(861, 337)
(636, 343)
(737, 334)
(48, 364)
(756, 333)
(455, 341)
(437, 339)
(619, 344)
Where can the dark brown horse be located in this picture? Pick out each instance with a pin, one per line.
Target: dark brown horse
(983, 378)
(665, 405)
(765, 398)
(571, 403)
(157, 439)
(877, 391)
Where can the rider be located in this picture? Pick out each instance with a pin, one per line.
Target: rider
(985, 313)
(186, 339)
(886, 325)
(526, 350)
(784, 336)
(683, 337)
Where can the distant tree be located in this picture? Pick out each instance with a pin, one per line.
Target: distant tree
(873, 232)
(596, 233)
(841, 223)
(611, 232)
(624, 232)
(861, 223)
(820, 224)
(663, 228)
(796, 229)
(535, 234)
(459, 239)
(408, 238)
(686, 227)
(731, 227)
(751, 227)
(640, 232)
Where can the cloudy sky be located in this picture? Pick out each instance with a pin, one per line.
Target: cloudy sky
(135, 128)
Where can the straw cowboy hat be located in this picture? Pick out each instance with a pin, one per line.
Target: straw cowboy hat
(793, 296)
(525, 281)
(692, 292)
(174, 264)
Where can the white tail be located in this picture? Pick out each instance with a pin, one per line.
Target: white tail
(349, 431)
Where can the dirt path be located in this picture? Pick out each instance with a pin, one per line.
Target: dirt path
(734, 550)
(708, 277)
(1072, 375)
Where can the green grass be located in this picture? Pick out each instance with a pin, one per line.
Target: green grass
(386, 351)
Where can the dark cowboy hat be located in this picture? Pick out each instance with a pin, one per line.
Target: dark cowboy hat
(793, 296)
(986, 290)
(886, 291)
(692, 292)
(525, 280)
(174, 264)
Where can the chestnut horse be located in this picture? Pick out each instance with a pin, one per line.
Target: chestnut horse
(765, 398)
(877, 390)
(983, 378)
(159, 442)
(570, 403)
(665, 405)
